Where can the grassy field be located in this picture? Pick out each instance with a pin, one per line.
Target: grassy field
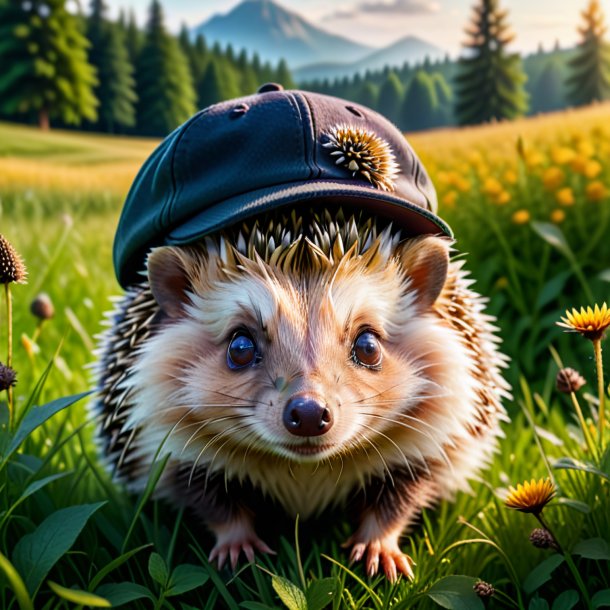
(528, 201)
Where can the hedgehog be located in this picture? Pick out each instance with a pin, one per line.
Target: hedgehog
(313, 360)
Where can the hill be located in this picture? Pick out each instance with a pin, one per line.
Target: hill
(275, 33)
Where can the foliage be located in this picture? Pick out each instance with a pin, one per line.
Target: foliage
(390, 96)
(166, 96)
(116, 85)
(548, 92)
(489, 83)
(420, 104)
(44, 58)
(590, 68)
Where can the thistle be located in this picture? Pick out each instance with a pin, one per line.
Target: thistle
(12, 270)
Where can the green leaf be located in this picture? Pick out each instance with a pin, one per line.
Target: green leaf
(113, 565)
(120, 593)
(592, 548)
(17, 584)
(84, 598)
(601, 599)
(567, 600)
(320, 593)
(38, 416)
(36, 553)
(581, 507)
(604, 275)
(537, 603)
(157, 568)
(185, 578)
(568, 463)
(456, 593)
(541, 573)
(554, 236)
(552, 289)
(255, 606)
(290, 594)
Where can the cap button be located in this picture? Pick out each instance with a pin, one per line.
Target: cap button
(270, 87)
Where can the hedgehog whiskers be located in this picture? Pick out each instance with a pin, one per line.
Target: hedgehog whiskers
(398, 449)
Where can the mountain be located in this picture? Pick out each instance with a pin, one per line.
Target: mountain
(275, 33)
(411, 49)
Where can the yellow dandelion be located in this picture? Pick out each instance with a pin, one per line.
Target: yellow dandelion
(553, 178)
(531, 497)
(596, 191)
(590, 323)
(521, 217)
(492, 186)
(565, 196)
(449, 199)
(592, 169)
(579, 164)
(510, 176)
(462, 184)
(502, 198)
(585, 148)
(562, 155)
(558, 216)
(534, 159)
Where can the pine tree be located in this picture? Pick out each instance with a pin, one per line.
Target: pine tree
(444, 98)
(116, 85)
(590, 78)
(390, 97)
(133, 39)
(420, 103)
(490, 81)
(43, 55)
(548, 92)
(166, 96)
(217, 84)
(368, 95)
(283, 75)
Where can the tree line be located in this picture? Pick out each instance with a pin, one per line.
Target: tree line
(111, 76)
(488, 82)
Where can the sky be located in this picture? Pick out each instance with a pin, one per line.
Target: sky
(381, 22)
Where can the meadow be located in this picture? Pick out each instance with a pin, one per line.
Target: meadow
(529, 203)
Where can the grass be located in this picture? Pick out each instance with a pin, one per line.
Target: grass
(60, 196)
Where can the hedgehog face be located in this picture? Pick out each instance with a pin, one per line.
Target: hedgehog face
(302, 363)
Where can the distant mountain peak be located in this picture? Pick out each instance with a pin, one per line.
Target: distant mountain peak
(275, 32)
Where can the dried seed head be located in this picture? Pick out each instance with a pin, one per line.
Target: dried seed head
(8, 377)
(42, 306)
(12, 268)
(483, 589)
(541, 538)
(569, 380)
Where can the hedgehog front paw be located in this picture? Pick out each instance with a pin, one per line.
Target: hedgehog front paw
(235, 538)
(384, 551)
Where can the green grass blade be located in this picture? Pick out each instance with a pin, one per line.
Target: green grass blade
(19, 588)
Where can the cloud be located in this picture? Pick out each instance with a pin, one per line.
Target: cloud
(393, 7)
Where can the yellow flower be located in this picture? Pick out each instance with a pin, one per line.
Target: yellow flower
(530, 497)
(533, 159)
(562, 155)
(510, 176)
(502, 282)
(579, 164)
(592, 169)
(449, 199)
(590, 323)
(585, 148)
(492, 187)
(558, 216)
(462, 184)
(596, 191)
(565, 196)
(521, 217)
(502, 198)
(552, 178)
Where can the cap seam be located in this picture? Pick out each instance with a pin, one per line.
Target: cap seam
(310, 155)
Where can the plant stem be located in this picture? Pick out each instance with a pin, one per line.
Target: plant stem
(601, 416)
(9, 349)
(583, 425)
(571, 565)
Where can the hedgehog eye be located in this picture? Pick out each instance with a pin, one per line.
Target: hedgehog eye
(241, 351)
(366, 350)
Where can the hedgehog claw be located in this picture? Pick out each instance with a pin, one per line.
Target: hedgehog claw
(385, 552)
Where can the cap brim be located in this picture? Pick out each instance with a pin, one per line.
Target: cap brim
(413, 219)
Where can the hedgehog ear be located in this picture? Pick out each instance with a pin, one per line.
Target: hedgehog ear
(426, 262)
(169, 280)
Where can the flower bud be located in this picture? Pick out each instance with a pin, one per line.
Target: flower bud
(8, 377)
(483, 589)
(569, 380)
(12, 268)
(42, 307)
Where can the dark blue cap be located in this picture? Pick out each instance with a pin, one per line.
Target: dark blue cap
(276, 148)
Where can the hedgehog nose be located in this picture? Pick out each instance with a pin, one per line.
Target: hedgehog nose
(305, 416)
